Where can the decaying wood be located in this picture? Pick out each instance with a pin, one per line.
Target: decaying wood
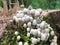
(15, 8)
(46, 13)
(7, 15)
(53, 18)
(5, 9)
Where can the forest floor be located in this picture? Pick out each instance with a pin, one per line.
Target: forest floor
(4, 19)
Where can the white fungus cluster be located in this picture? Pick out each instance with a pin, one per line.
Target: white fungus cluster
(34, 24)
(54, 41)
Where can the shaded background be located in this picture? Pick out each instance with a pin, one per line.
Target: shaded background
(44, 4)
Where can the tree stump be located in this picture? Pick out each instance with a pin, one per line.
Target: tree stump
(53, 18)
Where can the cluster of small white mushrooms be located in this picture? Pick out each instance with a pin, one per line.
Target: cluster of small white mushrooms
(37, 29)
